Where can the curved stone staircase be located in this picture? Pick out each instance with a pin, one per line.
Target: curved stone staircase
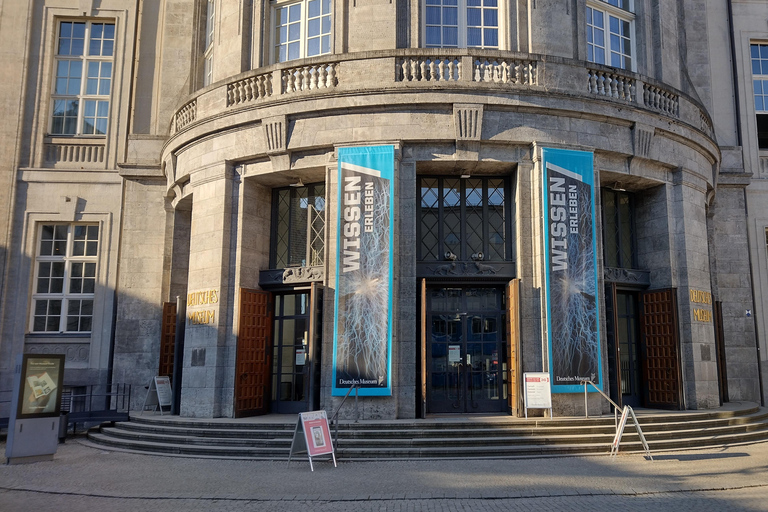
(443, 437)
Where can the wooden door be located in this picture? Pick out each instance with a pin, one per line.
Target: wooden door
(423, 367)
(254, 353)
(514, 358)
(661, 349)
(167, 340)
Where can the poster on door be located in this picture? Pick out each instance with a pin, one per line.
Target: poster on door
(362, 342)
(571, 269)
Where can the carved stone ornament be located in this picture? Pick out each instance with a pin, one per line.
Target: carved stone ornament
(73, 352)
(303, 274)
(627, 276)
(471, 268)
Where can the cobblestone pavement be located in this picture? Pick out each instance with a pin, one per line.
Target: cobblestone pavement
(84, 478)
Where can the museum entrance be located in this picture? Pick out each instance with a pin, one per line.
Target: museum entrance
(295, 349)
(465, 350)
(643, 347)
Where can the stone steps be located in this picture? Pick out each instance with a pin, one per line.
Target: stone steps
(461, 437)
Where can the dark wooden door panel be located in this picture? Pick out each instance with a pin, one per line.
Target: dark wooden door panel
(167, 340)
(513, 347)
(661, 346)
(254, 354)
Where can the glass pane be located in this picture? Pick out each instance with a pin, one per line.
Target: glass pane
(474, 17)
(313, 8)
(491, 37)
(625, 219)
(610, 241)
(313, 47)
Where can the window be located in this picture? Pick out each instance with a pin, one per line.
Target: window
(298, 229)
(610, 26)
(302, 29)
(461, 24)
(83, 78)
(618, 229)
(463, 219)
(208, 56)
(65, 278)
(759, 55)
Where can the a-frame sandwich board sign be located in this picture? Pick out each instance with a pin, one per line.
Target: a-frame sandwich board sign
(159, 395)
(313, 436)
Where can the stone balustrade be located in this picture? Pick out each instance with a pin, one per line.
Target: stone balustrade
(428, 69)
(611, 84)
(661, 100)
(185, 115)
(309, 77)
(505, 71)
(85, 154)
(471, 69)
(249, 89)
(763, 168)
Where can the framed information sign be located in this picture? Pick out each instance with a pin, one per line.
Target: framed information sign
(42, 377)
(538, 393)
(313, 436)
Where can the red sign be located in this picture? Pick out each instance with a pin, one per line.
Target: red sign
(316, 433)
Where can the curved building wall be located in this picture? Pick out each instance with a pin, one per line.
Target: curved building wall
(208, 131)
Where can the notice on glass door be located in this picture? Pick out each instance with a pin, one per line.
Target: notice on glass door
(454, 353)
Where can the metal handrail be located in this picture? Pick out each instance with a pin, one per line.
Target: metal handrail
(335, 416)
(615, 405)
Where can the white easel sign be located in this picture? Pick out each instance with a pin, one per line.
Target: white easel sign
(159, 394)
(538, 391)
(313, 436)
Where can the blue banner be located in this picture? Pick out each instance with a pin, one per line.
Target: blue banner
(362, 342)
(573, 326)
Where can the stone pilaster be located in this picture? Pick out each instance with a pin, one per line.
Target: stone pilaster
(731, 284)
(690, 267)
(209, 348)
(407, 289)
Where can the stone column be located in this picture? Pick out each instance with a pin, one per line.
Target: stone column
(690, 273)
(529, 253)
(732, 286)
(209, 346)
(406, 290)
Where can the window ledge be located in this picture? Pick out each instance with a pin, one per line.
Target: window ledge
(47, 337)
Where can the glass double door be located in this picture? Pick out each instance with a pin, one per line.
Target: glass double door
(465, 359)
(290, 356)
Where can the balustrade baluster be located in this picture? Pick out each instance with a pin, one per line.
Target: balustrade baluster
(322, 72)
(313, 78)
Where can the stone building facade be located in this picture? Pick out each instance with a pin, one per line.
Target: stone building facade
(179, 160)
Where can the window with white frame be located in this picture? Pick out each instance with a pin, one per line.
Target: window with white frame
(83, 78)
(302, 29)
(759, 56)
(65, 278)
(210, 16)
(461, 23)
(610, 31)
